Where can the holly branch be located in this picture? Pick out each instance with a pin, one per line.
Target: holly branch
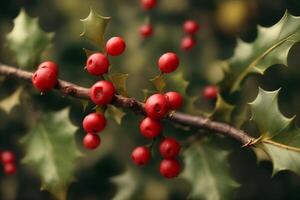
(201, 122)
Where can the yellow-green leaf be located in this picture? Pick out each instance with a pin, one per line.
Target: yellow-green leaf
(27, 41)
(177, 82)
(94, 28)
(159, 83)
(11, 101)
(271, 47)
(115, 113)
(119, 81)
(50, 149)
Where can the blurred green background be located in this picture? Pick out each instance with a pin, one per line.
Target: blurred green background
(221, 22)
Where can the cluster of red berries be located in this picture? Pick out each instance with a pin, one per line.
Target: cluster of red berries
(156, 107)
(190, 28)
(210, 92)
(146, 30)
(102, 92)
(45, 77)
(8, 160)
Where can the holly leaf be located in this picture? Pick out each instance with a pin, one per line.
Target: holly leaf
(280, 139)
(177, 82)
(271, 47)
(27, 41)
(119, 81)
(94, 28)
(222, 111)
(115, 113)
(11, 101)
(159, 83)
(202, 169)
(127, 185)
(51, 150)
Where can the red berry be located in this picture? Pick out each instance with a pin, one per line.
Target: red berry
(175, 100)
(141, 155)
(50, 65)
(168, 62)
(91, 141)
(190, 27)
(148, 4)
(9, 168)
(169, 168)
(97, 64)
(169, 148)
(146, 30)
(44, 79)
(115, 46)
(8, 157)
(102, 92)
(187, 43)
(210, 92)
(156, 106)
(94, 122)
(150, 128)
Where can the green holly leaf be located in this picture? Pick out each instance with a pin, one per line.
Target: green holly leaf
(159, 83)
(280, 139)
(27, 41)
(271, 47)
(115, 113)
(202, 169)
(177, 82)
(119, 81)
(51, 150)
(94, 28)
(127, 185)
(222, 111)
(11, 101)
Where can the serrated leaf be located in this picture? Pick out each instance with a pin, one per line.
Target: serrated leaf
(222, 111)
(115, 113)
(51, 150)
(280, 139)
(94, 27)
(202, 169)
(27, 41)
(271, 47)
(159, 83)
(11, 101)
(119, 81)
(127, 185)
(266, 114)
(178, 83)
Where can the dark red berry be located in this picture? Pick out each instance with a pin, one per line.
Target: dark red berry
(175, 100)
(102, 92)
(190, 27)
(97, 64)
(8, 157)
(44, 79)
(148, 4)
(141, 155)
(50, 65)
(157, 106)
(187, 43)
(210, 92)
(94, 122)
(150, 128)
(9, 168)
(146, 30)
(115, 46)
(91, 141)
(168, 62)
(169, 148)
(169, 168)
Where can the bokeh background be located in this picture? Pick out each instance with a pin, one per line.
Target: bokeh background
(221, 22)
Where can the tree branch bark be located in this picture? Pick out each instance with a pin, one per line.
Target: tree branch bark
(74, 90)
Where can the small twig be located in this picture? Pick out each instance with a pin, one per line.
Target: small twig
(200, 122)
